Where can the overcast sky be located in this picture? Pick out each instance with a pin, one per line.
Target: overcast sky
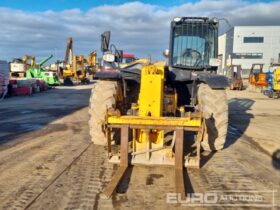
(141, 28)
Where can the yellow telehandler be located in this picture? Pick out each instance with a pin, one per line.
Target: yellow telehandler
(142, 112)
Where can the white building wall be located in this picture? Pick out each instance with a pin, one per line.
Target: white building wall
(270, 48)
(229, 46)
(222, 51)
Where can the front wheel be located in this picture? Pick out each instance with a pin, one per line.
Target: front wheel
(103, 97)
(215, 111)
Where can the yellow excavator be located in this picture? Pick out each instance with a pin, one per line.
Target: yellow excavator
(142, 112)
(74, 66)
(91, 59)
(92, 67)
(68, 59)
(26, 58)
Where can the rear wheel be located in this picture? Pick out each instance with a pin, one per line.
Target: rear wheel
(275, 95)
(215, 111)
(103, 97)
(270, 94)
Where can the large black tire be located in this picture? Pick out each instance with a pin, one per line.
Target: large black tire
(215, 111)
(103, 97)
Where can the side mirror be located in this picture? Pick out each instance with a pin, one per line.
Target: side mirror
(166, 53)
(105, 41)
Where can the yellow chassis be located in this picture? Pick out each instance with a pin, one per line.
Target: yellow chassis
(148, 144)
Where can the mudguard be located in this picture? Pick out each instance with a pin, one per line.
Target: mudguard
(213, 80)
(131, 72)
(108, 75)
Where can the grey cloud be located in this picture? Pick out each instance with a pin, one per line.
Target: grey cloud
(136, 27)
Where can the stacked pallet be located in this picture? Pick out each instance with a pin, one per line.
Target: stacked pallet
(4, 78)
(23, 86)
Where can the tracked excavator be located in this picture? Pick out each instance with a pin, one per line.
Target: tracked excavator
(75, 65)
(162, 113)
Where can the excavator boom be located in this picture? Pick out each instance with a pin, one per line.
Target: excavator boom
(69, 51)
(46, 59)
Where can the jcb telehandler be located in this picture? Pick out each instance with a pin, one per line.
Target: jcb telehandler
(134, 109)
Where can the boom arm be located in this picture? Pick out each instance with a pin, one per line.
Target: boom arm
(42, 62)
(69, 51)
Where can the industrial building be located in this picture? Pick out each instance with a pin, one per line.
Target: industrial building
(245, 45)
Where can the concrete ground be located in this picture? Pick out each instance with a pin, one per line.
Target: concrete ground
(47, 160)
(256, 116)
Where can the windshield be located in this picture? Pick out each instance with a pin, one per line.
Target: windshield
(194, 44)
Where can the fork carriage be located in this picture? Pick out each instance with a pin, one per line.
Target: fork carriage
(153, 153)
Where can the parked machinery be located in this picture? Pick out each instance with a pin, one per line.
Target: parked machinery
(18, 66)
(276, 83)
(92, 67)
(92, 59)
(145, 110)
(74, 66)
(257, 78)
(127, 59)
(68, 59)
(79, 69)
(269, 78)
(273, 78)
(26, 58)
(37, 71)
(235, 78)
